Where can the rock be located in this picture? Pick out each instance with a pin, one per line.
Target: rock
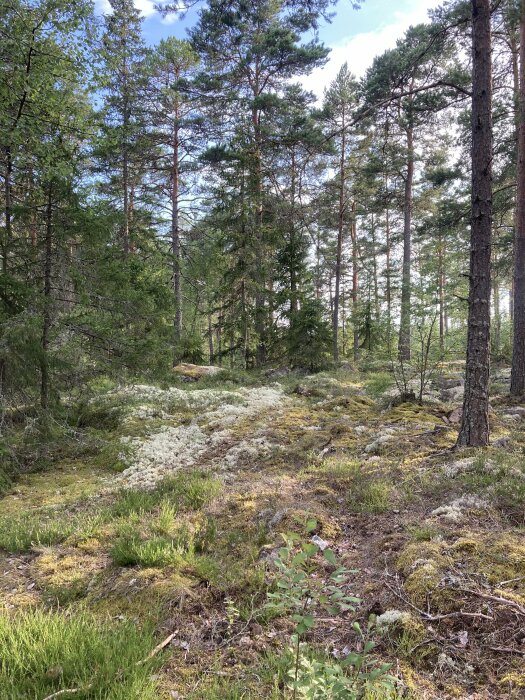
(455, 415)
(277, 372)
(322, 544)
(516, 411)
(303, 390)
(443, 383)
(502, 442)
(277, 518)
(189, 372)
(455, 393)
(378, 443)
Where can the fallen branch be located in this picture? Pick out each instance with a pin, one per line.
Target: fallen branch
(436, 618)
(62, 692)
(496, 599)
(158, 648)
(508, 650)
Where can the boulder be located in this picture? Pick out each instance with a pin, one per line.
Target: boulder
(277, 372)
(449, 383)
(193, 373)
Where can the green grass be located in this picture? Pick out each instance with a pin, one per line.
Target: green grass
(28, 530)
(378, 382)
(131, 549)
(44, 528)
(183, 491)
(43, 653)
(422, 533)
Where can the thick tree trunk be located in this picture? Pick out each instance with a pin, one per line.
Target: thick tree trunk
(474, 430)
(515, 50)
(375, 279)
(404, 328)
(339, 251)
(517, 382)
(46, 314)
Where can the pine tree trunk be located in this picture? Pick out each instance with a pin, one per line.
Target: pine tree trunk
(175, 238)
(260, 277)
(6, 245)
(388, 274)
(515, 50)
(406, 281)
(441, 296)
(517, 382)
(125, 180)
(474, 430)
(339, 252)
(355, 280)
(294, 302)
(46, 314)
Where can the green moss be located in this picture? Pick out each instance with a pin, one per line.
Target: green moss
(423, 564)
(65, 576)
(412, 413)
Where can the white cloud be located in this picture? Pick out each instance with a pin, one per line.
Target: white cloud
(147, 7)
(360, 50)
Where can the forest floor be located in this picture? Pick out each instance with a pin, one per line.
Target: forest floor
(166, 517)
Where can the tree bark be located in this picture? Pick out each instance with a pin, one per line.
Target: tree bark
(517, 381)
(355, 280)
(441, 295)
(474, 430)
(404, 328)
(339, 252)
(46, 314)
(175, 236)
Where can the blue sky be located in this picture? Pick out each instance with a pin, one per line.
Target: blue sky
(355, 36)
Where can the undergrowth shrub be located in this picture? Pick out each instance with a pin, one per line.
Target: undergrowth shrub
(305, 591)
(46, 652)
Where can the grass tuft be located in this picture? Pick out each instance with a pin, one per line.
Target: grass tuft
(43, 653)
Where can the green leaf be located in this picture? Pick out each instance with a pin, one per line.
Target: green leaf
(311, 524)
(330, 557)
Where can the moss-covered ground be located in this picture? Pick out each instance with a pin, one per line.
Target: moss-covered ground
(87, 561)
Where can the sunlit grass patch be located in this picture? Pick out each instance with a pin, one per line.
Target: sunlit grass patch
(184, 491)
(43, 653)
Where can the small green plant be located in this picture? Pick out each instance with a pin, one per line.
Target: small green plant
(304, 591)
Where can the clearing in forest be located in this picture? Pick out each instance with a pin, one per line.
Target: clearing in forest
(162, 521)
